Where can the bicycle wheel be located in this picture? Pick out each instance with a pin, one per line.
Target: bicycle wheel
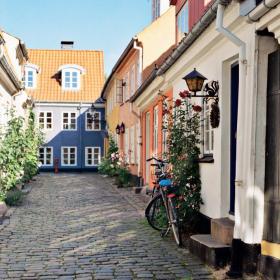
(156, 214)
(174, 220)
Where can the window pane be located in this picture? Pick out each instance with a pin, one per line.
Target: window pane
(74, 74)
(67, 74)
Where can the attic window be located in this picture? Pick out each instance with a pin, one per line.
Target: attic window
(30, 75)
(71, 76)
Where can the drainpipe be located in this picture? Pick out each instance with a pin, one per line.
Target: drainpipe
(236, 259)
(242, 87)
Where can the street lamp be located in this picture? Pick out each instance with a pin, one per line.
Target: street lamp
(118, 129)
(195, 81)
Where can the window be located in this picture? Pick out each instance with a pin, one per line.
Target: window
(125, 88)
(155, 138)
(93, 121)
(92, 156)
(156, 9)
(132, 145)
(69, 121)
(164, 129)
(30, 75)
(45, 120)
(69, 156)
(183, 21)
(126, 145)
(208, 132)
(71, 79)
(132, 80)
(138, 137)
(46, 156)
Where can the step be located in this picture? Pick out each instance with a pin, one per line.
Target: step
(222, 230)
(210, 250)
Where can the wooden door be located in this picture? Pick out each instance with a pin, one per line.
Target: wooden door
(272, 161)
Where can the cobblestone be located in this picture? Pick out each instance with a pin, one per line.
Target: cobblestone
(78, 226)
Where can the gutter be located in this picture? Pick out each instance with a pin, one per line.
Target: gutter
(262, 9)
(186, 42)
(23, 49)
(124, 54)
(9, 71)
(140, 63)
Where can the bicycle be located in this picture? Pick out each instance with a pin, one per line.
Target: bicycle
(161, 212)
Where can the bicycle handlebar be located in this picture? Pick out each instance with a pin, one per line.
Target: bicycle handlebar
(158, 160)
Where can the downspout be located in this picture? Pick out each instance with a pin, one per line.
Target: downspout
(242, 88)
(139, 82)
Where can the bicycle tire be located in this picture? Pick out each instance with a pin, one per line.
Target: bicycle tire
(156, 214)
(174, 220)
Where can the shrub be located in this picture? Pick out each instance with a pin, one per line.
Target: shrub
(123, 178)
(14, 197)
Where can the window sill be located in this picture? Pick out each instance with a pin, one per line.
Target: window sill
(208, 158)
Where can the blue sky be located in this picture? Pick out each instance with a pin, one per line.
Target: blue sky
(106, 25)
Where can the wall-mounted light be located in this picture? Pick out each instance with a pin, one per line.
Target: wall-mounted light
(118, 129)
(122, 128)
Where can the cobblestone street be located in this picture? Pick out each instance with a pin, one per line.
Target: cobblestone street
(78, 226)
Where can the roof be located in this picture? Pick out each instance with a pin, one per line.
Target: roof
(116, 66)
(48, 87)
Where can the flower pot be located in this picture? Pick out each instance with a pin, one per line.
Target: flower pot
(3, 208)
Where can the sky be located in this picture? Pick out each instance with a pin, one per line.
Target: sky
(106, 25)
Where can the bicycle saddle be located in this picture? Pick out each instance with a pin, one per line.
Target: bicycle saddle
(165, 183)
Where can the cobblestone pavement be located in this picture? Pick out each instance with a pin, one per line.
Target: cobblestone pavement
(78, 226)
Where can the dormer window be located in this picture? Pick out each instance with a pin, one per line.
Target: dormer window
(71, 76)
(30, 75)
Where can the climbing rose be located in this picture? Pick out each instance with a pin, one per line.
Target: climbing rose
(197, 108)
(165, 111)
(184, 94)
(178, 102)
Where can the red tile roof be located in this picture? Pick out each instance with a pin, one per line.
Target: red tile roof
(49, 87)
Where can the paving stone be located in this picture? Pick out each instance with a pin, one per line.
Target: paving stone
(78, 226)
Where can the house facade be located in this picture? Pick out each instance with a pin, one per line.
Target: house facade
(126, 78)
(237, 46)
(65, 85)
(13, 56)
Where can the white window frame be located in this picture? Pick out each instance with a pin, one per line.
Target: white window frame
(138, 143)
(92, 153)
(132, 145)
(45, 155)
(69, 158)
(155, 129)
(126, 145)
(45, 123)
(132, 81)
(71, 72)
(208, 148)
(35, 70)
(69, 121)
(99, 122)
(183, 21)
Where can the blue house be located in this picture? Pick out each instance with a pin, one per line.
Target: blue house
(66, 86)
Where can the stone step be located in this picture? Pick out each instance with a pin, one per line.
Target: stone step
(210, 250)
(222, 230)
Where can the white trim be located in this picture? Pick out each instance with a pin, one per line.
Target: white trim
(155, 129)
(76, 124)
(45, 122)
(99, 118)
(86, 156)
(33, 66)
(34, 77)
(72, 66)
(69, 104)
(78, 82)
(62, 159)
(45, 154)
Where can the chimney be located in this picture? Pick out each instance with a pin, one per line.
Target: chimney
(67, 45)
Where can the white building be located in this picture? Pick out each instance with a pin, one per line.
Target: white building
(13, 56)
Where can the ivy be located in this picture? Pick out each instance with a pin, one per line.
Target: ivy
(183, 126)
(18, 152)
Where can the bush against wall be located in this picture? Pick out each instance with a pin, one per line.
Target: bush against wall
(183, 126)
(18, 152)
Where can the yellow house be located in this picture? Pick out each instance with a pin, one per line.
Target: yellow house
(126, 78)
